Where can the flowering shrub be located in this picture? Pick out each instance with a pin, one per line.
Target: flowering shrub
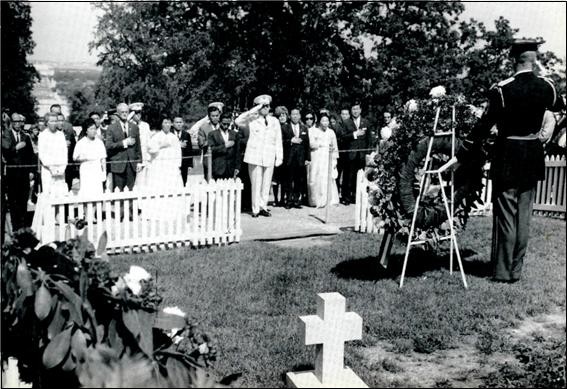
(397, 168)
(69, 320)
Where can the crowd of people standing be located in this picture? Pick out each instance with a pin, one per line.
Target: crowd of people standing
(288, 153)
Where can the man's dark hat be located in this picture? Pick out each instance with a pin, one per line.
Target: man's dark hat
(520, 46)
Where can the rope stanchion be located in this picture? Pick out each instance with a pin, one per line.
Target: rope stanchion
(329, 184)
(210, 165)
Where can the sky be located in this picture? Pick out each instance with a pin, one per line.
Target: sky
(62, 31)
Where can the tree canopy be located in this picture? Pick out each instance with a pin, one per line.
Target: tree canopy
(176, 57)
(18, 75)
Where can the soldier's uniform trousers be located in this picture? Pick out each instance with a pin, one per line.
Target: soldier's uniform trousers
(512, 213)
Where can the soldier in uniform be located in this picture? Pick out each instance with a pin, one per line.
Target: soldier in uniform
(517, 106)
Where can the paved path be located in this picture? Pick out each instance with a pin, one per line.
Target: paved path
(296, 223)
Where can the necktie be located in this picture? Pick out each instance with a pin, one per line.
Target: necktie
(17, 137)
(125, 129)
(266, 120)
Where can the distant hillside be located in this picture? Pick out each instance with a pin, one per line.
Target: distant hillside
(72, 79)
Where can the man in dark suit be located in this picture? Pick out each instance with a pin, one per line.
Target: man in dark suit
(243, 134)
(225, 148)
(354, 135)
(123, 149)
(17, 151)
(297, 154)
(213, 111)
(517, 106)
(186, 147)
(345, 114)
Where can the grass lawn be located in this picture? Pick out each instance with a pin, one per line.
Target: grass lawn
(249, 296)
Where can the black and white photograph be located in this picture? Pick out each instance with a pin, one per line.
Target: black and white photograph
(283, 194)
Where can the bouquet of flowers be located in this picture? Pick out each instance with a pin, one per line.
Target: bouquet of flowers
(70, 320)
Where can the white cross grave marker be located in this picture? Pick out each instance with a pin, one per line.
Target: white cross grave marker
(328, 330)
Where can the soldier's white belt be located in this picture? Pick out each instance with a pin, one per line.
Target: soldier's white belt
(527, 137)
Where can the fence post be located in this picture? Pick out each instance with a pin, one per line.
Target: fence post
(329, 179)
(209, 165)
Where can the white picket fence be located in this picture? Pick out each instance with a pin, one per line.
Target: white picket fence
(200, 214)
(550, 198)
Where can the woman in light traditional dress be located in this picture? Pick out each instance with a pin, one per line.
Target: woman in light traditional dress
(91, 153)
(163, 175)
(145, 135)
(52, 153)
(321, 138)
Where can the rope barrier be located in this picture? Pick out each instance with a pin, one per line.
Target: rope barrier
(107, 162)
(162, 159)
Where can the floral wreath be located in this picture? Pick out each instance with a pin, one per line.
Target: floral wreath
(394, 176)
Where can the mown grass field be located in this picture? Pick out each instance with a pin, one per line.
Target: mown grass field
(249, 296)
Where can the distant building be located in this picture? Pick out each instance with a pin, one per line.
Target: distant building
(45, 93)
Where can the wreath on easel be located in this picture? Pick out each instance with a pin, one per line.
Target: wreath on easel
(395, 175)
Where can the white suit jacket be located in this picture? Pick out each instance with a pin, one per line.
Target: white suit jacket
(264, 145)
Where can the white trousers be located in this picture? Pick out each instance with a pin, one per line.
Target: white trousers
(260, 182)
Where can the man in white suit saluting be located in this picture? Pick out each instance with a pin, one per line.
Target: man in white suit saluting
(264, 151)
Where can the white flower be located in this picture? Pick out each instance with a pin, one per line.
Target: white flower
(203, 348)
(411, 106)
(118, 287)
(385, 133)
(174, 311)
(437, 92)
(134, 278)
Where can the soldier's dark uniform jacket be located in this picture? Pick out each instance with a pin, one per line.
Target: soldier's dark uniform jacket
(516, 105)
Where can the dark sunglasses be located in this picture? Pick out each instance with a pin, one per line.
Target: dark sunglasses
(309, 118)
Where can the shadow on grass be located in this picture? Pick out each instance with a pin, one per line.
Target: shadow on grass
(419, 262)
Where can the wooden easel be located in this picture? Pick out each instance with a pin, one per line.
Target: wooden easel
(387, 240)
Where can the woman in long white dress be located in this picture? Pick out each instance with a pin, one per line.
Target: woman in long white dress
(91, 153)
(321, 139)
(163, 175)
(52, 153)
(145, 135)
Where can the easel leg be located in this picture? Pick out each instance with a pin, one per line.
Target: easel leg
(451, 256)
(408, 248)
(417, 201)
(459, 262)
(453, 235)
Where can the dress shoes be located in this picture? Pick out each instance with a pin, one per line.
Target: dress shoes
(264, 212)
(255, 215)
